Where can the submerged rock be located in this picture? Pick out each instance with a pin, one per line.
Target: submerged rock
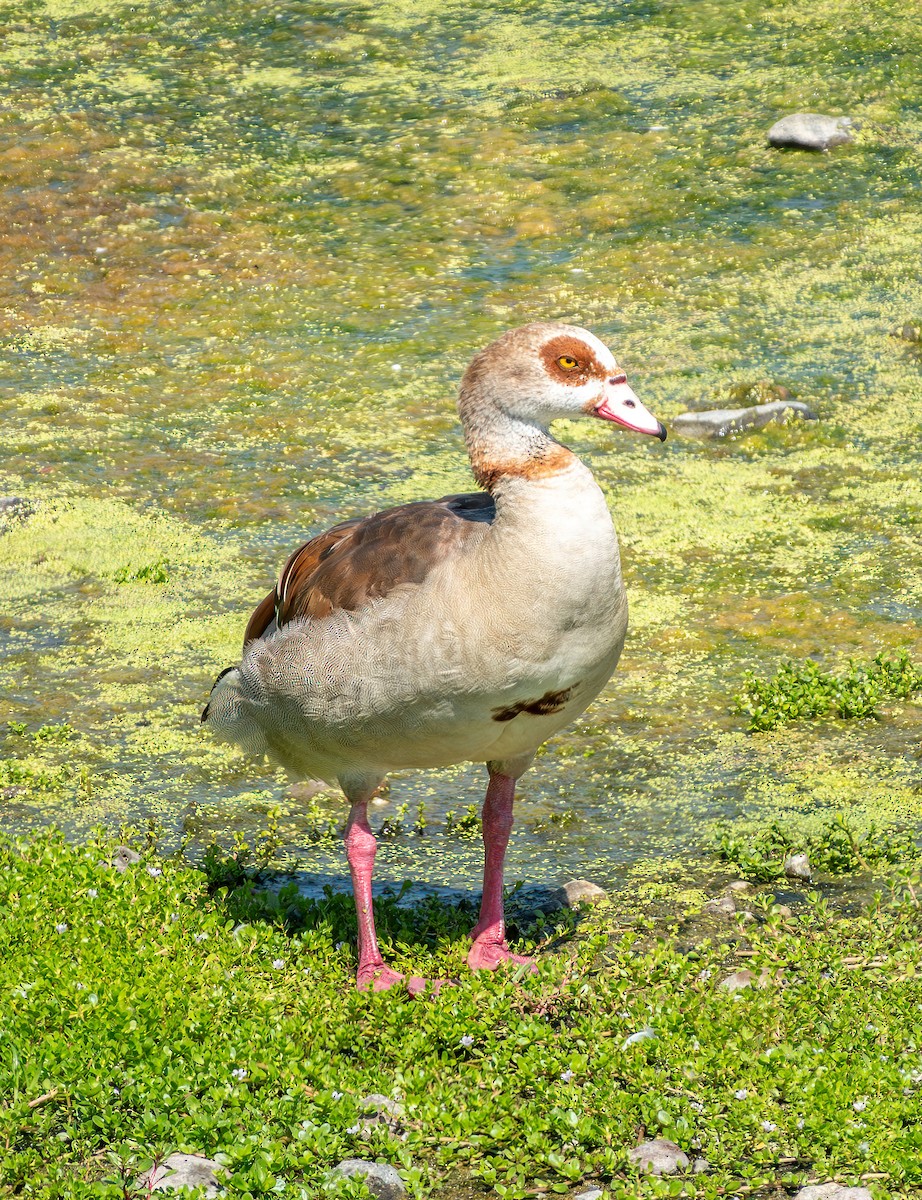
(380, 1179)
(721, 422)
(910, 331)
(811, 131)
(724, 907)
(659, 1157)
(184, 1171)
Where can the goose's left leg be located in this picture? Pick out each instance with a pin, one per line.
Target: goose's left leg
(373, 975)
(489, 934)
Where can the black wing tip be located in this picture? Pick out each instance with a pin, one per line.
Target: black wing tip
(207, 708)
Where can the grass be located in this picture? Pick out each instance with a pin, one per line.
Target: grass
(799, 691)
(152, 1011)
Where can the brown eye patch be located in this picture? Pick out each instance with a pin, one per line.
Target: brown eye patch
(569, 360)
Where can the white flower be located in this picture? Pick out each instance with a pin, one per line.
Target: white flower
(567, 1076)
(353, 1129)
(860, 1105)
(741, 1094)
(239, 1073)
(704, 975)
(337, 1095)
(92, 893)
(278, 963)
(800, 1122)
(155, 871)
(201, 937)
(467, 1040)
(696, 1105)
(864, 1148)
(61, 927)
(769, 1126)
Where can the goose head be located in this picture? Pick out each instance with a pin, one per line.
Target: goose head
(547, 371)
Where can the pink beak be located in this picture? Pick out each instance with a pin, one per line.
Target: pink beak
(619, 404)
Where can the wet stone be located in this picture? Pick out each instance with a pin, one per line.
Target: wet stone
(724, 907)
(659, 1157)
(184, 1171)
(380, 1179)
(741, 886)
(590, 1193)
(797, 866)
(723, 422)
(832, 1191)
(811, 131)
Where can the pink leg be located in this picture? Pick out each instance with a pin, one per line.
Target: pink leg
(489, 934)
(361, 845)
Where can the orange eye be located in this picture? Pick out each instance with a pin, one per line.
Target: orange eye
(566, 363)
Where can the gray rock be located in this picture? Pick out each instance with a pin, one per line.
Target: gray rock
(590, 1193)
(384, 1114)
(832, 1191)
(724, 907)
(811, 131)
(123, 858)
(740, 886)
(783, 911)
(722, 422)
(745, 978)
(582, 891)
(701, 1166)
(659, 1157)
(797, 866)
(525, 905)
(380, 1179)
(184, 1171)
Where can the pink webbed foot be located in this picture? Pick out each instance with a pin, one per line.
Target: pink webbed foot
(487, 955)
(376, 977)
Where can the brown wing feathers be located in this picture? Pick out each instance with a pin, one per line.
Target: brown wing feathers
(363, 559)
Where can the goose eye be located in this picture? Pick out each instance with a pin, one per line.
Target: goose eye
(566, 363)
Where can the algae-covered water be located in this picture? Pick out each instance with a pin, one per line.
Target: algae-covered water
(247, 252)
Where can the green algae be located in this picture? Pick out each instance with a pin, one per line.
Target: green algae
(250, 256)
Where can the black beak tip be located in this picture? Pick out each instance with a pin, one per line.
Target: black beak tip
(662, 431)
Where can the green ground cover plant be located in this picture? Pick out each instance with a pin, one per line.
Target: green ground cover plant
(836, 848)
(800, 691)
(146, 1012)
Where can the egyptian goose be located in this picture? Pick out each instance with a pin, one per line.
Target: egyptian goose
(469, 628)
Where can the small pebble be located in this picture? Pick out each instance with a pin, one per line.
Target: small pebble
(583, 891)
(659, 1157)
(797, 866)
(783, 911)
(381, 1179)
(700, 1166)
(591, 1193)
(742, 886)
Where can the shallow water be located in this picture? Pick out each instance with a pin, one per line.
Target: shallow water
(248, 256)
